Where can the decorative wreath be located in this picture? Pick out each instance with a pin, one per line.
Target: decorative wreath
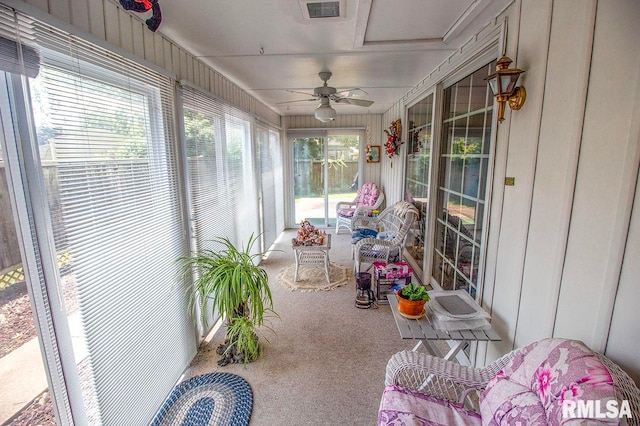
(392, 145)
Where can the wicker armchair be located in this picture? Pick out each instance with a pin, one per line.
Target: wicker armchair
(420, 387)
(369, 197)
(395, 221)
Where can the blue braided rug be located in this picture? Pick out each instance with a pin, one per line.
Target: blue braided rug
(210, 399)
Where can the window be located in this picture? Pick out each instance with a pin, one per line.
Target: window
(462, 183)
(418, 169)
(272, 196)
(102, 198)
(221, 176)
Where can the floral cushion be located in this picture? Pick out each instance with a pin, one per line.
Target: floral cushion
(403, 407)
(368, 195)
(532, 389)
(346, 212)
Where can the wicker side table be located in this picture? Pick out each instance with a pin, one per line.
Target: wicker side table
(315, 256)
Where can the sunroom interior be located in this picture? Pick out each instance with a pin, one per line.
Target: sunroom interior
(124, 149)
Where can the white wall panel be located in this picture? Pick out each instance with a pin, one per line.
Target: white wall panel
(137, 35)
(40, 4)
(126, 32)
(80, 14)
(96, 18)
(557, 161)
(623, 344)
(149, 45)
(606, 177)
(391, 169)
(523, 129)
(111, 27)
(60, 9)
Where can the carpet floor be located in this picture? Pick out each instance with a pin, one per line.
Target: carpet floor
(326, 361)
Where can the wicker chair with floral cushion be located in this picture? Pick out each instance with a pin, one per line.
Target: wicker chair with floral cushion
(368, 198)
(534, 385)
(393, 225)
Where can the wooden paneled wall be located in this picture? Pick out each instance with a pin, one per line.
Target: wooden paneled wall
(564, 242)
(106, 20)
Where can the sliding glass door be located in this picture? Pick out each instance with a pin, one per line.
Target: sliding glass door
(326, 168)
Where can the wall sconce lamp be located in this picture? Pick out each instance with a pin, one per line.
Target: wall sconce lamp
(503, 85)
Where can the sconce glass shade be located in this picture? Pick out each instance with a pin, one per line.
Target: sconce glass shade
(324, 112)
(503, 85)
(503, 81)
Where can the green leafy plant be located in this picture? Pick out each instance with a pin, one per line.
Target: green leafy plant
(230, 282)
(414, 292)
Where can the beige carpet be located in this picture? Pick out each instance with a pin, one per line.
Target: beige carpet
(326, 361)
(311, 278)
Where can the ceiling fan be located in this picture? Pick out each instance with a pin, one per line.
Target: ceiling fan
(325, 94)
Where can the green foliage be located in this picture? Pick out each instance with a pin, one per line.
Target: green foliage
(229, 276)
(239, 290)
(199, 134)
(414, 292)
(308, 148)
(243, 338)
(464, 149)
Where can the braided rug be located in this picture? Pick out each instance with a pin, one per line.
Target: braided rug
(209, 399)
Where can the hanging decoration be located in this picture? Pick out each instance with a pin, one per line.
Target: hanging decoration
(142, 6)
(392, 145)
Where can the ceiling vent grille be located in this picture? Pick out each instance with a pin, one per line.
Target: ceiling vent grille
(314, 10)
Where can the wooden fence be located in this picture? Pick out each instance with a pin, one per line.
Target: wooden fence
(10, 258)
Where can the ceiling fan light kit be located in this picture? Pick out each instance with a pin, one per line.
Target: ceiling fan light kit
(324, 112)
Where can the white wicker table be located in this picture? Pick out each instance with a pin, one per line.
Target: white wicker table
(316, 256)
(423, 331)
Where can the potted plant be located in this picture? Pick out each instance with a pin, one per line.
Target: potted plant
(229, 282)
(411, 300)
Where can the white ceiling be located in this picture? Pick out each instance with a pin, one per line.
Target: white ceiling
(267, 47)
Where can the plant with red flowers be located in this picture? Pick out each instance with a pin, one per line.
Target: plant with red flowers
(392, 145)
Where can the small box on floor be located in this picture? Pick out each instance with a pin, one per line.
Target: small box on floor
(390, 277)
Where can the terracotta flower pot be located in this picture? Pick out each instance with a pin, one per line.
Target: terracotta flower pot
(410, 307)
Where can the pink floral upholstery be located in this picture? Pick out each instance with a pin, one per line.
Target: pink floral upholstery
(367, 196)
(531, 390)
(549, 382)
(346, 212)
(403, 407)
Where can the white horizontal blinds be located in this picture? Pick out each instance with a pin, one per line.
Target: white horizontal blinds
(269, 232)
(241, 178)
(106, 129)
(221, 178)
(277, 149)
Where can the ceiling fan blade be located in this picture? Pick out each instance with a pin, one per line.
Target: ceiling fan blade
(299, 100)
(353, 93)
(302, 93)
(352, 101)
